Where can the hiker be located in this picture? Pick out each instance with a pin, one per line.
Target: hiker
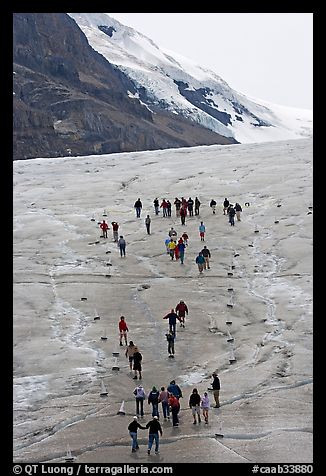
(231, 213)
(169, 207)
(190, 207)
(115, 228)
(174, 405)
(164, 400)
(133, 427)
(194, 404)
(175, 389)
(181, 309)
(197, 205)
(200, 260)
(122, 246)
(137, 363)
(238, 210)
(164, 205)
(172, 316)
(185, 238)
(156, 206)
(123, 329)
(166, 242)
(177, 251)
(171, 246)
(181, 250)
(140, 396)
(104, 227)
(130, 350)
(205, 405)
(226, 203)
(173, 234)
(138, 206)
(216, 385)
(202, 230)
(213, 205)
(170, 337)
(177, 203)
(148, 224)
(183, 214)
(206, 254)
(153, 434)
(153, 399)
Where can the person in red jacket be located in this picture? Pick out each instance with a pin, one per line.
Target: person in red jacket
(104, 227)
(123, 329)
(115, 229)
(182, 309)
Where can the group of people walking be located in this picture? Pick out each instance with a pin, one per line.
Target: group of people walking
(169, 398)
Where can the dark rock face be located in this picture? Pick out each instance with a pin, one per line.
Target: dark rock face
(68, 99)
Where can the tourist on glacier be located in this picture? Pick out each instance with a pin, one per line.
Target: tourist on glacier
(194, 404)
(191, 207)
(164, 205)
(130, 350)
(153, 399)
(148, 224)
(181, 309)
(216, 386)
(181, 250)
(238, 210)
(138, 206)
(133, 427)
(156, 206)
(202, 230)
(123, 330)
(115, 228)
(197, 205)
(231, 213)
(122, 246)
(172, 317)
(200, 260)
(206, 254)
(226, 204)
(104, 227)
(205, 406)
(213, 206)
(177, 203)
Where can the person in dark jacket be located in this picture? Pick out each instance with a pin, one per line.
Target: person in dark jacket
(148, 224)
(213, 205)
(206, 254)
(122, 246)
(231, 213)
(182, 309)
(156, 206)
(191, 207)
(197, 205)
(172, 316)
(137, 367)
(133, 427)
(153, 434)
(170, 337)
(216, 386)
(194, 404)
(226, 203)
(153, 399)
(138, 206)
(238, 210)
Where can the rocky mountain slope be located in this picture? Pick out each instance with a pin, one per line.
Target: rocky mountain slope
(69, 100)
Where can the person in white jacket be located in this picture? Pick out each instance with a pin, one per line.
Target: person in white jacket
(205, 406)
